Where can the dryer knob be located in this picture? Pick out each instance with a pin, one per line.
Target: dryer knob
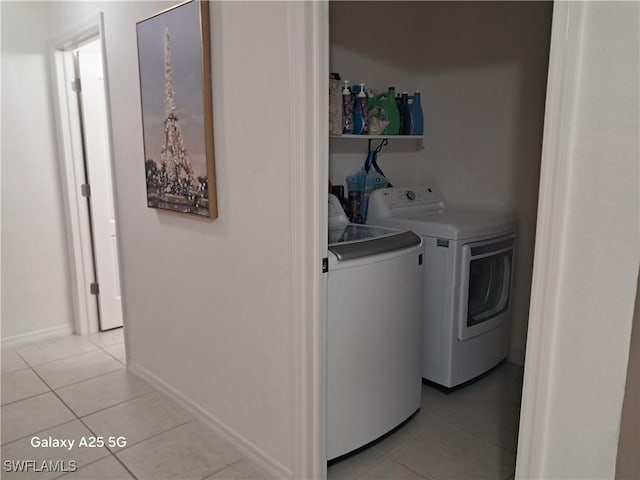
(411, 195)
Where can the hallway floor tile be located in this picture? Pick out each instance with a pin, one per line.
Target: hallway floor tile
(78, 387)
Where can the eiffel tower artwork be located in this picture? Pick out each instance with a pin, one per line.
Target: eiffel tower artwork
(173, 156)
(174, 181)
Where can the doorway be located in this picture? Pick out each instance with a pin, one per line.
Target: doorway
(481, 68)
(90, 92)
(84, 132)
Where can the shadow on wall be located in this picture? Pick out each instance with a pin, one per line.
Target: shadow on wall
(628, 461)
(439, 36)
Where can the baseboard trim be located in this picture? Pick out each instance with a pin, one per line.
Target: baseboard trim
(516, 355)
(247, 448)
(37, 336)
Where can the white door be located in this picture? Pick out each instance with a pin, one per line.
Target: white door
(99, 175)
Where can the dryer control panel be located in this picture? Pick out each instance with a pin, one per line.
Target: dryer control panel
(385, 202)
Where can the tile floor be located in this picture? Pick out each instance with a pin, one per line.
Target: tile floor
(471, 433)
(78, 387)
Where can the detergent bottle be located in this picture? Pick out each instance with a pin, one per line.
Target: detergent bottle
(415, 114)
(385, 104)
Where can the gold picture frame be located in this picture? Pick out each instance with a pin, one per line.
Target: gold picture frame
(174, 62)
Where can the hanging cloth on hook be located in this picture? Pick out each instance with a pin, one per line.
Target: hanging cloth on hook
(366, 180)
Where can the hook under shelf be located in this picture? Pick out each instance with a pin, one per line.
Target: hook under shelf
(381, 145)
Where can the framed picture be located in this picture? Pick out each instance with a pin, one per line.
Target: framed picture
(177, 120)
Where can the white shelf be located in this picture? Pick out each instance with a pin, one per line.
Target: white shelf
(378, 137)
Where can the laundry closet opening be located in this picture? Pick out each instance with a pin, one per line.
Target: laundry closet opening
(481, 70)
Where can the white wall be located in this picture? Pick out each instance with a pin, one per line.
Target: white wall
(481, 67)
(35, 280)
(587, 251)
(207, 303)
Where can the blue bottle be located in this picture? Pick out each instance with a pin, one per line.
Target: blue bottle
(405, 116)
(399, 107)
(415, 115)
(360, 113)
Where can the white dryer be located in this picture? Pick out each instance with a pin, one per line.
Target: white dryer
(468, 275)
(373, 331)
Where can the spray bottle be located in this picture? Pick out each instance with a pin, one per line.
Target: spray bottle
(347, 109)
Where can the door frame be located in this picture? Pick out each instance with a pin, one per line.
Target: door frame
(554, 207)
(308, 33)
(547, 338)
(70, 153)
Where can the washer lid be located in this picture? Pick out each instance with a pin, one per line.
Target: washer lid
(352, 232)
(457, 224)
(351, 241)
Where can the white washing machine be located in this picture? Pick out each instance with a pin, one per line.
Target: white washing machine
(373, 331)
(468, 275)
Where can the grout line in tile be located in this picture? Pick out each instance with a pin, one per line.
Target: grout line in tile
(123, 465)
(116, 404)
(152, 436)
(409, 468)
(455, 412)
(104, 346)
(55, 360)
(85, 465)
(27, 363)
(115, 454)
(27, 398)
(35, 433)
(361, 475)
(15, 371)
(36, 373)
(222, 468)
(116, 358)
(85, 380)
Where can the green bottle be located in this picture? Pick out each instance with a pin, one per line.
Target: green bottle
(385, 104)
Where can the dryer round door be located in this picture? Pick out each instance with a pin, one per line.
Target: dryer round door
(485, 299)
